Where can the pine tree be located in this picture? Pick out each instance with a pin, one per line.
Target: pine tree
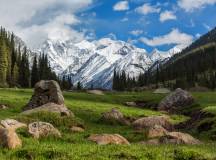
(34, 72)
(3, 63)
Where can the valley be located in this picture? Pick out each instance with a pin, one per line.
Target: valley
(88, 109)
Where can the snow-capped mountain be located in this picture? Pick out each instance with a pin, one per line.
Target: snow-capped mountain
(93, 62)
(157, 55)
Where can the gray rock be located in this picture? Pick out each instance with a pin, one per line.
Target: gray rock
(176, 101)
(114, 116)
(45, 92)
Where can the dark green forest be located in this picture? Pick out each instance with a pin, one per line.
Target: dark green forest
(194, 66)
(16, 69)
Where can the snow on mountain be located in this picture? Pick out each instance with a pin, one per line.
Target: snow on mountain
(93, 62)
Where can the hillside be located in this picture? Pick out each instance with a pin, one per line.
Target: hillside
(88, 109)
(194, 66)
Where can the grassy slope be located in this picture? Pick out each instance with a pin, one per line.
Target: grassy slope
(89, 108)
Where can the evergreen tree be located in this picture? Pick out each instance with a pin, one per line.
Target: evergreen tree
(3, 63)
(34, 72)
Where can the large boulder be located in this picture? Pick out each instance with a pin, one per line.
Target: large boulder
(176, 101)
(178, 138)
(45, 92)
(148, 122)
(114, 116)
(47, 97)
(13, 124)
(9, 138)
(43, 129)
(103, 139)
(50, 107)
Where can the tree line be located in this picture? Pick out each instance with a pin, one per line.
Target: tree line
(15, 67)
(194, 66)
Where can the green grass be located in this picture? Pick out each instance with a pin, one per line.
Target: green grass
(88, 109)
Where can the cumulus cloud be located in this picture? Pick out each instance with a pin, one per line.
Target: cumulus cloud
(34, 21)
(167, 15)
(121, 6)
(136, 32)
(147, 9)
(174, 37)
(191, 5)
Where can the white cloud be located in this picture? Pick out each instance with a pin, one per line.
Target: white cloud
(167, 15)
(136, 32)
(147, 9)
(207, 26)
(124, 19)
(174, 37)
(121, 6)
(34, 21)
(191, 5)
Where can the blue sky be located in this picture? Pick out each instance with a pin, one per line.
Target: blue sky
(148, 24)
(130, 25)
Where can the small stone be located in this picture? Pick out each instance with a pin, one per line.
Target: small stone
(77, 129)
(104, 139)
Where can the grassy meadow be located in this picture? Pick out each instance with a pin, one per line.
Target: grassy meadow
(87, 109)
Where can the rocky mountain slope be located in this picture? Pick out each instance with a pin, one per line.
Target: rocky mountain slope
(93, 63)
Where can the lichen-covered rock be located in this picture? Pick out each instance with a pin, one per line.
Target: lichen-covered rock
(9, 138)
(176, 101)
(114, 116)
(103, 139)
(45, 92)
(13, 124)
(156, 131)
(43, 129)
(148, 122)
(178, 138)
(51, 107)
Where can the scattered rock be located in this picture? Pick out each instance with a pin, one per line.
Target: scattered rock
(156, 131)
(9, 138)
(51, 107)
(178, 138)
(45, 92)
(151, 142)
(2, 106)
(162, 91)
(175, 101)
(96, 92)
(104, 139)
(77, 129)
(13, 124)
(43, 129)
(148, 122)
(114, 116)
